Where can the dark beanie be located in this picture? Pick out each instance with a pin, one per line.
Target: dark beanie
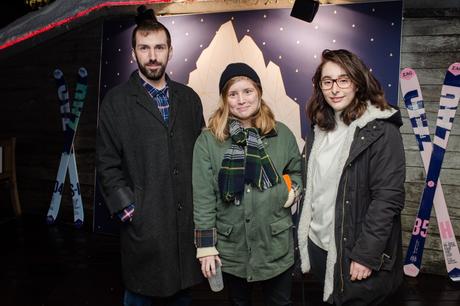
(234, 70)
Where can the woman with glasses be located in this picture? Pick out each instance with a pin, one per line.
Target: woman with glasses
(350, 227)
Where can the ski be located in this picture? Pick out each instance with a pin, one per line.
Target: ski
(63, 97)
(413, 100)
(450, 96)
(70, 120)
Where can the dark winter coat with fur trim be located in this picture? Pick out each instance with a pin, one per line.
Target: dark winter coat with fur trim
(142, 160)
(367, 224)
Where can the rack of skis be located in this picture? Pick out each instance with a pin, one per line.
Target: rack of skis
(70, 115)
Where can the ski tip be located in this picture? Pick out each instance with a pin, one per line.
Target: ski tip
(411, 270)
(454, 274)
(58, 73)
(407, 73)
(82, 72)
(78, 223)
(50, 220)
(454, 69)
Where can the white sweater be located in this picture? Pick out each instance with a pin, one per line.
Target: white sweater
(325, 183)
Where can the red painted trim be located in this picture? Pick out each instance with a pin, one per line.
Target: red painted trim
(76, 16)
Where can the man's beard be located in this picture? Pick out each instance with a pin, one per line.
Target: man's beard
(153, 75)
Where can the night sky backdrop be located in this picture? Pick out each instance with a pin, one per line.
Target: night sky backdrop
(371, 30)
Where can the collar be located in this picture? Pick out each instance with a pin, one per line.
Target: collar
(154, 92)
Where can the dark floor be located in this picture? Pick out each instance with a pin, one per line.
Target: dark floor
(62, 266)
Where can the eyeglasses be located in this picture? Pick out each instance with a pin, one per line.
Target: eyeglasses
(342, 82)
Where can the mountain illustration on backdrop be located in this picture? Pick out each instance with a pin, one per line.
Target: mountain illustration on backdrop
(225, 49)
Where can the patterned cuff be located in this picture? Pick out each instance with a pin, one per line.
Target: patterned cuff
(127, 213)
(205, 238)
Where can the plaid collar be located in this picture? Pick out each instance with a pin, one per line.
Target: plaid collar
(153, 92)
(160, 97)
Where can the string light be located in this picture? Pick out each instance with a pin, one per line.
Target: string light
(35, 4)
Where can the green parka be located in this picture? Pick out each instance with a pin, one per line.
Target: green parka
(254, 239)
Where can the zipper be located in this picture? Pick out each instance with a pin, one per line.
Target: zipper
(341, 235)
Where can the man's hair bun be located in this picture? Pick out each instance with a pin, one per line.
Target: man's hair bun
(145, 15)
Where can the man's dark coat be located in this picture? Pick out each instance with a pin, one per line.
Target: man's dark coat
(142, 160)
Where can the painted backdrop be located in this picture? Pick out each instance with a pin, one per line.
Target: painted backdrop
(284, 51)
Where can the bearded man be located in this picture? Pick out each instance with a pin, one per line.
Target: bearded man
(146, 132)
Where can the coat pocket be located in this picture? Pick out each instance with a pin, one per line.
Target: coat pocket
(137, 221)
(224, 229)
(227, 240)
(387, 262)
(281, 238)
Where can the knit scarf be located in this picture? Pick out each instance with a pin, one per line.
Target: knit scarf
(245, 162)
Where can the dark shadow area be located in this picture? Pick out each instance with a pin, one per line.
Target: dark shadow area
(60, 265)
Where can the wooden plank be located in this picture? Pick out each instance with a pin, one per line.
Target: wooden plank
(412, 207)
(430, 43)
(409, 213)
(448, 176)
(454, 143)
(431, 26)
(430, 4)
(425, 60)
(452, 12)
(451, 159)
(431, 108)
(432, 242)
(407, 127)
(451, 192)
(434, 76)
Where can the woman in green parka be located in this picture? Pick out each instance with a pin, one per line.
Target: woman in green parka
(246, 174)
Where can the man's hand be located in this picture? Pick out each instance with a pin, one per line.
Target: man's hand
(358, 271)
(208, 265)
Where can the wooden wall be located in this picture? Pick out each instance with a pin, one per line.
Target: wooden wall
(430, 43)
(29, 110)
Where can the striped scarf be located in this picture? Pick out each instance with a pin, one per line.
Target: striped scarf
(245, 162)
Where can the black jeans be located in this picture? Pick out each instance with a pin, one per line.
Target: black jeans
(318, 258)
(181, 298)
(277, 290)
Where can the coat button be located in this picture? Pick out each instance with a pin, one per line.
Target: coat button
(248, 190)
(344, 238)
(175, 171)
(248, 220)
(347, 202)
(179, 206)
(362, 137)
(171, 134)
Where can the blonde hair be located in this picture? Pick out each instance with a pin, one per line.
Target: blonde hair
(264, 119)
